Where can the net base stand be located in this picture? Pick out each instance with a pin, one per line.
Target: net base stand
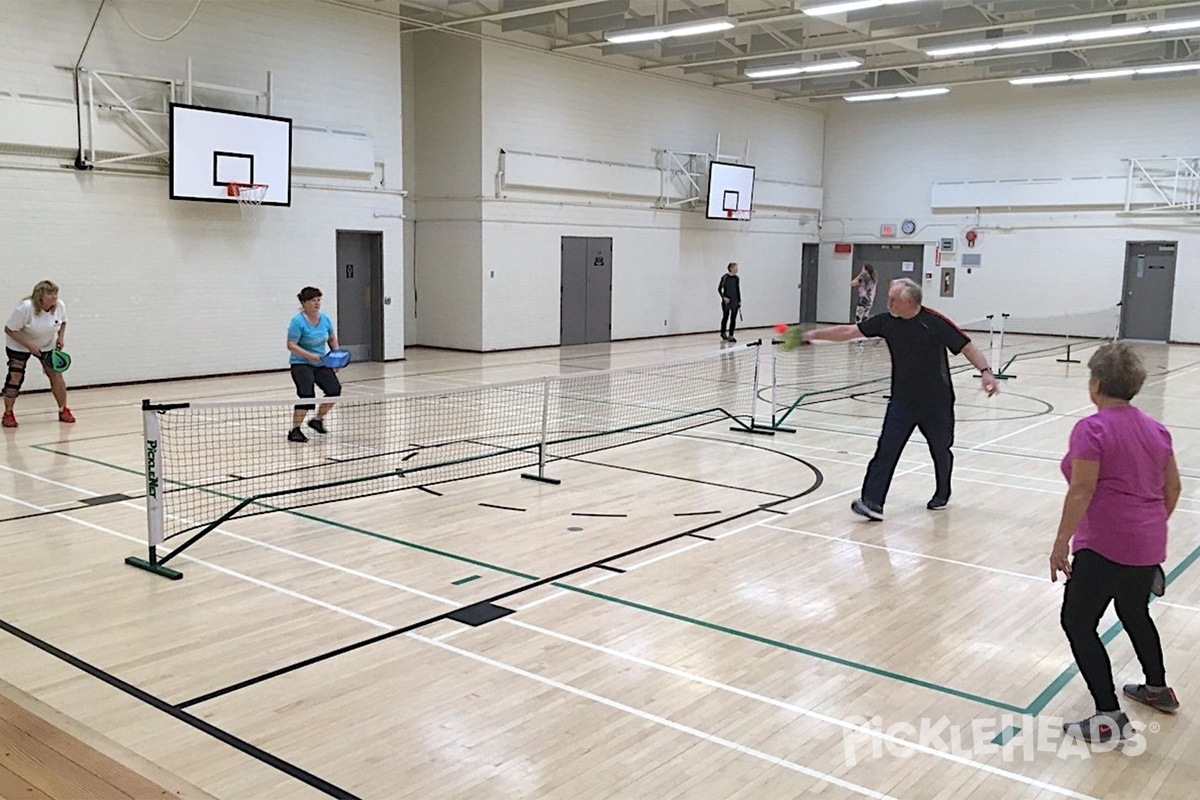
(155, 567)
(529, 476)
(755, 429)
(1067, 359)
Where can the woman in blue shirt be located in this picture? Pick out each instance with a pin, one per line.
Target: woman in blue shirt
(310, 336)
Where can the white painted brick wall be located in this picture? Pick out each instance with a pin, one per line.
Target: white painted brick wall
(666, 264)
(159, 288)
(881, 161)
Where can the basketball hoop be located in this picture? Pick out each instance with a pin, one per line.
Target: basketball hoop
(249, 197)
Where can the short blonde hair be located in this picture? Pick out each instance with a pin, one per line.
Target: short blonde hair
(1119, 370)
(42, 288)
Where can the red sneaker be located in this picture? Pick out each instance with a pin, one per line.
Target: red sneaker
(65, 415)
(9, 420)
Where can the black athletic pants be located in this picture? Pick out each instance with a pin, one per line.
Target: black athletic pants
(1094, 583)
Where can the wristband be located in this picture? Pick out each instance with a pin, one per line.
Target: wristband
(986, 369)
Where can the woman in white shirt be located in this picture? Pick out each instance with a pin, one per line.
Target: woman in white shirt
(38, 324)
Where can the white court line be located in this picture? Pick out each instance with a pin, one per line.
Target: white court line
(637, 712)
(697, 678)
(821, 776)
(1176, 605)
(912, 553)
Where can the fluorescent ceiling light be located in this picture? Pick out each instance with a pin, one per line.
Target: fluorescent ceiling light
(799, 69)
(1168, 68)
(863, 98)
(830, 9)
(669, 31)
(961, 49)
(1033, 41)
(1037, 79)
(1182, 25)
(1124, 72)
(1103, 73)
(1081, 36)
(1106, 33)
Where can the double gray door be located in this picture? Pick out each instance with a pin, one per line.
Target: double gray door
(586, 290)
(1149, 290)
(889, 261)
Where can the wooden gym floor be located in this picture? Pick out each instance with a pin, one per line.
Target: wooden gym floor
(788, 651)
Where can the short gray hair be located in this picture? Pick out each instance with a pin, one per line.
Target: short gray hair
(910, 290)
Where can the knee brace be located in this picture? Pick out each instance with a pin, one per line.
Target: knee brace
(16, 376)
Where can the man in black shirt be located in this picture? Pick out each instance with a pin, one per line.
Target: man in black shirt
(922, 392)
(730, 290)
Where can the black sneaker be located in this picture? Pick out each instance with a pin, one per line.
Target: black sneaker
(937, 503)
(297, 435)
(866, 508)
(317, 425)
(731, 339)
(1164, 700)
(1100, 728)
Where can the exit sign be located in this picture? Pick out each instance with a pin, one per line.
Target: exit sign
(887, 230)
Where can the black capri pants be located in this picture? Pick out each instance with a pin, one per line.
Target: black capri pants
(308, 376)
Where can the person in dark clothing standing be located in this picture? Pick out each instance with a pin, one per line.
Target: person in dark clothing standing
(731, 300)
(922, 395)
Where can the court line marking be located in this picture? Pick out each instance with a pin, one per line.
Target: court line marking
(515, 670)
(792, 707)
(629, 656)
(663, 721)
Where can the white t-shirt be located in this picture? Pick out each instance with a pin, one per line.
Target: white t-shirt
(42, 328)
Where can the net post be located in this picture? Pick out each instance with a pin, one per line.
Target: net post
(151, 439)
(541, 472)
(776, 422)
(1003, 374)
(754, 427)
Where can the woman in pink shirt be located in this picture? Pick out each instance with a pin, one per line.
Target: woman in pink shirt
(1124, 484)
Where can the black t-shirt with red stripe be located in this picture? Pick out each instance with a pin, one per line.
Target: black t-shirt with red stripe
(920, 368)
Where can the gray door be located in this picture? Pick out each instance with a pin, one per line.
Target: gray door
(599, 290)
(586, 292)
(888, 261)
(1149, 290)
(808, 282)
(359, 295)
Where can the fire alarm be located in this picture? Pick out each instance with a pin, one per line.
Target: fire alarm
(971, 236)
(843, 247)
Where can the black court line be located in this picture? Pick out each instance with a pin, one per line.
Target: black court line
(672, 477)
(286, 767)
(695, 513)
(502, 508)
(610, 568)
(427, 490)
(596, 514)
(86, 503)
(771, 510)
(600, 563)
(705, 538)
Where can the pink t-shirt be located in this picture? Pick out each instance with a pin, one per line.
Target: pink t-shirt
(1126, 521)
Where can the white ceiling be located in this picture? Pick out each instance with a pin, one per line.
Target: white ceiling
(891, 40)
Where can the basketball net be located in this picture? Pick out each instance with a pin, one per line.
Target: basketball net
(249, 197)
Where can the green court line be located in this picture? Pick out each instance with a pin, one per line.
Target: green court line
(797, 649)
(1039, 703)
(1005, 736)
(1042, 700)
(461, 581)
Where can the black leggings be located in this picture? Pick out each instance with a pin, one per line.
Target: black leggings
(308, 376)
(1094, 583)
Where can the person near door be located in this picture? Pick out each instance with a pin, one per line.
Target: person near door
(730, 290)
(922, 394)
(866, 282)
(37, 325)
(311, 335)
(1123, 484)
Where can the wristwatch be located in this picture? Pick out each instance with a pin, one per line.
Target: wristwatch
(987, 369)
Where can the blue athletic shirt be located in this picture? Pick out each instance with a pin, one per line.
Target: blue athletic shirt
(313, 338)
